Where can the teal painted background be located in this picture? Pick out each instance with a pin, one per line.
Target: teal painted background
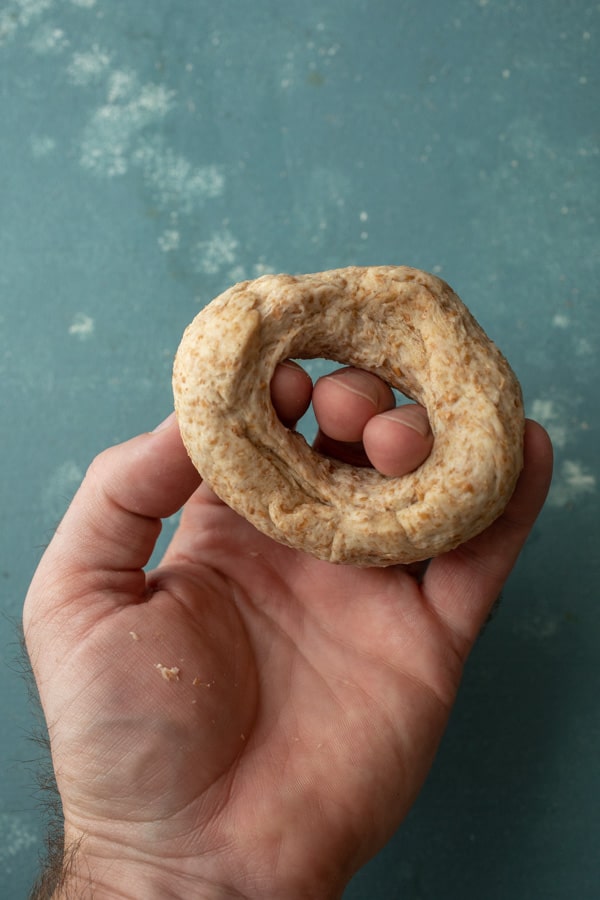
(153, 153)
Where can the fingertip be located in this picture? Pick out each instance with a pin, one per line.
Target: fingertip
(464, 583)
(538, 444)
(536, 476)
(166, 423)
(399, 440)
(345, 400)
(151, 474)
(291, 391)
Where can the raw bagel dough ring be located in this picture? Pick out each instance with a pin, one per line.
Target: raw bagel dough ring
(405, 326)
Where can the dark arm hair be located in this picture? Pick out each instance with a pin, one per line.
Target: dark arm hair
(56, 862)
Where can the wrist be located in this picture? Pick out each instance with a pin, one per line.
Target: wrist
(115, 869)
(117, 884)
(119, 877)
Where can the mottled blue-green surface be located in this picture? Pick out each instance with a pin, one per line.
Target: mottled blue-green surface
(153, 153)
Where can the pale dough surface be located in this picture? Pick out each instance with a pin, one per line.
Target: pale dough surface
(402, 324)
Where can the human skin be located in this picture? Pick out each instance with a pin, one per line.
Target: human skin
(309, 699)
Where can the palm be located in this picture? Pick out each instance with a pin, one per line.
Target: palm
(307, 696)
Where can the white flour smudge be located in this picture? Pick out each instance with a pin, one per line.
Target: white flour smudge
(25, 11)
(571, 483)
(169, 240)
(237, 273)
(86, 68)
(554, 420)
(8, 26)
(20, 14)
(541, 627)
(175, 182)
(82, 326)
(584, 347)
(125, 133)
(41, 145)
(571, 479)
(48, 39)
(213, 255)
(262, 268)
(121, 85)
(15, 836)
(110, 135)
(241, 273)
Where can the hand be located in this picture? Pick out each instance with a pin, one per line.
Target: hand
(246, 721)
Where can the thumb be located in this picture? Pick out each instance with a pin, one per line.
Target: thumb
(109, 531)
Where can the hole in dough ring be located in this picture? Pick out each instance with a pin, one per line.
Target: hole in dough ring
(402, 324)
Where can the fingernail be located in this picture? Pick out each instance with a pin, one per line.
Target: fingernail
(412, 417)
(164, 424)
(295, 367)
(290, 364)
